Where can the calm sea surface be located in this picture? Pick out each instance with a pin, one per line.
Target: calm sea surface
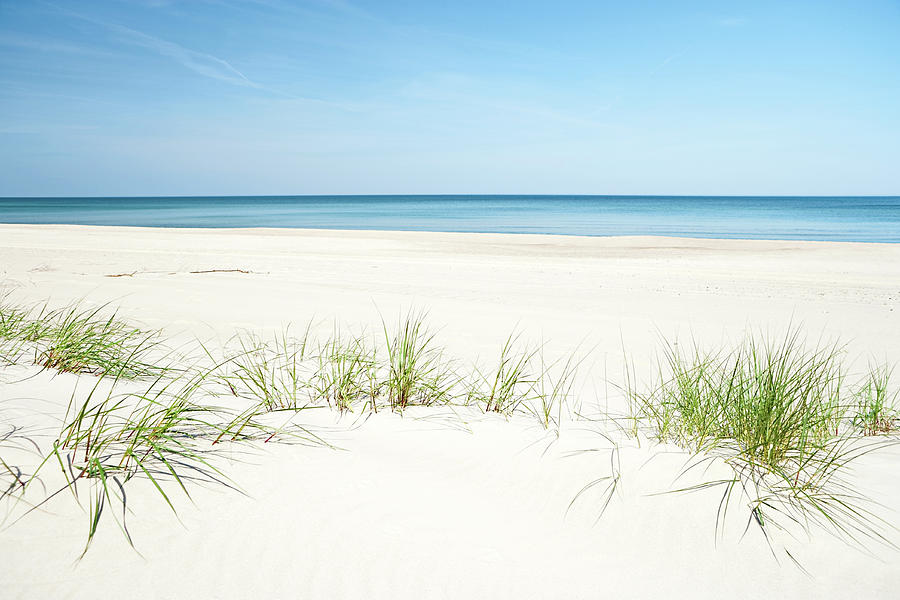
(861, 219)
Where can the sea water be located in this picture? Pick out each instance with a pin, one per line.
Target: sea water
(860, 219)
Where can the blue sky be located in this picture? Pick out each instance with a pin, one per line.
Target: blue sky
(331, 96)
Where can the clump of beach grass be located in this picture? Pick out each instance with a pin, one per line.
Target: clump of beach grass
(525, 380)
(271, 372)
(554, 388)
(503, 389)
(876, 410)
(13, 323)
(418, 373)
(769, 397)
(160, 434)
(161, 428)
(408, 368)
(774, 411)
(83, 341)
(347, 372)
(165, 434)
(12, 320)
(77, 340)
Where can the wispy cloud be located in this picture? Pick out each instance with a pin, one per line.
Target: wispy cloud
(663, 64)
(200, 62)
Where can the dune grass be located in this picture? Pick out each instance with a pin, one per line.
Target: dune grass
(270, 372)
(526, 381)
(554, 388)
(165, 433)
(405, 367)
(346, 373)
(511, 384)
(83, 341)
(876, 411)
(343, 371)
(291, 373)
(769, 397)
(74, 339)
(418, 371)
(13, 321)
(160, 434)
(776, 412)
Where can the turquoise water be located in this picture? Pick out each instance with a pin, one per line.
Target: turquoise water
(861, 219)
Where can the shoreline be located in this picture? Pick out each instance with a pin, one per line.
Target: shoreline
(328, 232)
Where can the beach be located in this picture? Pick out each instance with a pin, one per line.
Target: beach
(435, 502)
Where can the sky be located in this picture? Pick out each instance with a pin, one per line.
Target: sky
(233, 97)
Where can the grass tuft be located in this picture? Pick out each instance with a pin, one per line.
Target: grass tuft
(82, 341)
(271, 373)
(876, 410)
(347, 373)
(160, 434)
(775, 411)
(13, 322)
(418, 373)
(554, 388)
(511, 384)
(77, 340)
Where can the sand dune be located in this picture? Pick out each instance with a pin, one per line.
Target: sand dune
(437, 504)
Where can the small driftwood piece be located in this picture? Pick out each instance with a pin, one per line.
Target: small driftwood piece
(133, 273)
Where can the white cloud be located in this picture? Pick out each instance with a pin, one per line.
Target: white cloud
(668, 59)
(199, 62)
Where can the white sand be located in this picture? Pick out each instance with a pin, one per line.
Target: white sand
(415, 506)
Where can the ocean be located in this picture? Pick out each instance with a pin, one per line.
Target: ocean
(849, 218)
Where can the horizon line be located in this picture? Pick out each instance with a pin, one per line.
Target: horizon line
(439, 195)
